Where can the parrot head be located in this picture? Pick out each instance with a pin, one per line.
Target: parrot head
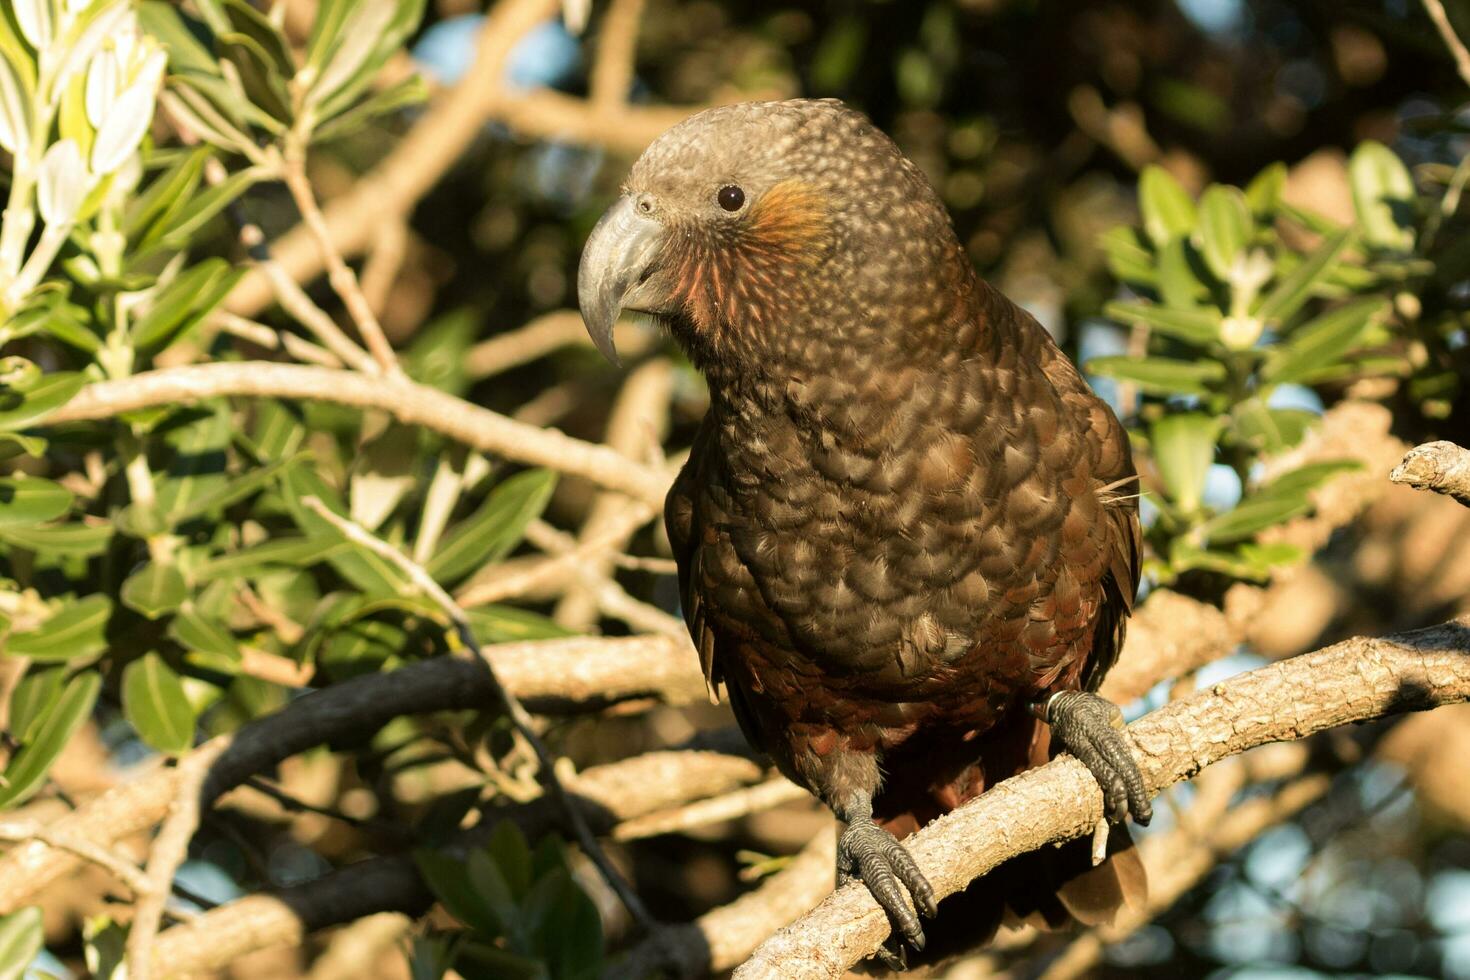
(752, 229)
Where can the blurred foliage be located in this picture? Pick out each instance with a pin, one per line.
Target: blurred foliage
(1090, 155)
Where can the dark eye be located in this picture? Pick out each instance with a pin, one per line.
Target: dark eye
(730, 197)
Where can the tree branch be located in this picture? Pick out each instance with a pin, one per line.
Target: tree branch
(409, 403)
(1439, 466)
(1353, 681)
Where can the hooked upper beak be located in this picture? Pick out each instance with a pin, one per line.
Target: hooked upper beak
(615, 261)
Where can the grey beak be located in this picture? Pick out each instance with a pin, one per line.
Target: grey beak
(615, 260)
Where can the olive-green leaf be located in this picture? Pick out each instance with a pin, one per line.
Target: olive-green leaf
(1263, 193)
(33, 698)
(31, 500)
(292, 551)
(154, 703)
(210, 645)
(1181, 271)
(449, 879)
(21, 938)
(496, 528)
(1199, 327)
(79, 629)
(50, 393)
(1183, 448)
(155, 590)
(1167, 210)
(28, 767)
(1321, 342)
(1252, 516)
(1383, 197)
(74, 540)
(1161, 375)
(1304, 479)
(369, 571)
(1224, 227)
(1130, 259)
(1294, 289)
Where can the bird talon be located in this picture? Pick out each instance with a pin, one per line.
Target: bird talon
(868, 852)
(1091, 729)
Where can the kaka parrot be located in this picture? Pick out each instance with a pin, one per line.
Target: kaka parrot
(907, 534)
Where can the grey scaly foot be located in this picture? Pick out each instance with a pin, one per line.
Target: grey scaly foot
(869, 852)
(1091, 728)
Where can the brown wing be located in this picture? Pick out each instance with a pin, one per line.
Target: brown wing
(680, 518)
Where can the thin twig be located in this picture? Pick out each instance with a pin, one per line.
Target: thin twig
(1451, 39)
(169, 850)
(127, 872)
(519, 717)
(617, 45)
(409, 403)
(343, 279)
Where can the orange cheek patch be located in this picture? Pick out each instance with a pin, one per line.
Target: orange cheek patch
(790, 218)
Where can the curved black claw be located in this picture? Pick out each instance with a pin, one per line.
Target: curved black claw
(871, 853)
(1091, 729)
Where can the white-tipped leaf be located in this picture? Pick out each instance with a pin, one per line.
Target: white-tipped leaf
(37, 21)
(359, 38)
(15, 120)
(62, 183)
(103, 77)
(106, 24)
(123, 128)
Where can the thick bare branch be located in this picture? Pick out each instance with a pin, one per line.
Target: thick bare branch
(1439, 466)
(1356, 680)
(409, 403)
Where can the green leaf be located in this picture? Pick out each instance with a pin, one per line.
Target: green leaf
(210, 645)
(296, 552)
(1267, 429)
(361, 646)
(1167, 210)
(170, 26)
(1263, 193)
(512, 855)
(1383, 197)
(410, 91)
(167, 194)
(490, 884)
(1224, 228)
(1293, 290)
(1130, 258)
(1161, 375)
(1305, 479)
(50, 393)
(61, 540)
(184, 303)
(449, 879)
(250, 22)
(1181, 285)
(27, 769)
(264, 86)
(234, 491)
(79, 629)
(31, 500)
(1252, 515)
(180, 228)
(1321, 342)
(33, 699)
(496, 528)
(370, 572)
(197, 468)
(507, 624)
(155, 590)
(1198, 327)
(154, 703)
(1183, 449)
(21, 939)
